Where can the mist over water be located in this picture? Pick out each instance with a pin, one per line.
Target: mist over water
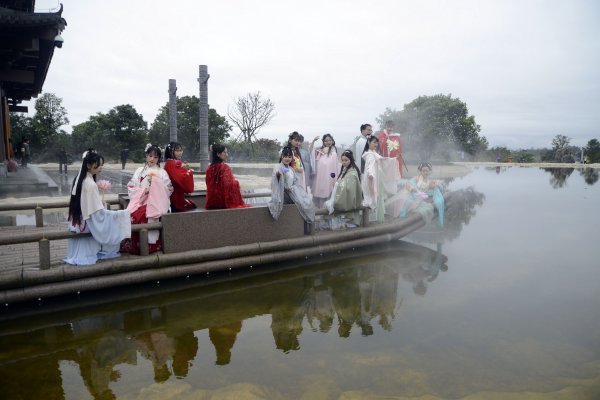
(503, 300)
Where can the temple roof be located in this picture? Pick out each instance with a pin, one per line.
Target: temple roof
(26, 48)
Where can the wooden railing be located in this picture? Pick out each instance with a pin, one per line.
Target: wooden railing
(44, 237)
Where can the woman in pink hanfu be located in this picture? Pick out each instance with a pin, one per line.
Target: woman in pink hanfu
(149, 198)
(327, 166)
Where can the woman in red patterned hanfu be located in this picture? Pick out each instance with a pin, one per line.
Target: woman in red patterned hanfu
(222, 189)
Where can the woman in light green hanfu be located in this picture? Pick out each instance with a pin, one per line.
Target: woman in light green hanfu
(346, 198)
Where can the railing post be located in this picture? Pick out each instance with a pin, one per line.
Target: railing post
(39, 217)
(44, 249)
(144, 250)
(365, 217)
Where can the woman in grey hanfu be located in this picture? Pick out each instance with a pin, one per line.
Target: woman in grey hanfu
(346, 198)
(286, 188)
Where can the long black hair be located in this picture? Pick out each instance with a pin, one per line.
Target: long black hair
(170, 150)
(91, 160)
(154, 149)
(325, 136)
(350, 155)
(370, 139)
(216, 149)
(286, 151)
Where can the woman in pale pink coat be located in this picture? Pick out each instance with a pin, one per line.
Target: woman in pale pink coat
(327, 166)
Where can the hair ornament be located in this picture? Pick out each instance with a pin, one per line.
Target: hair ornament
(147, 147)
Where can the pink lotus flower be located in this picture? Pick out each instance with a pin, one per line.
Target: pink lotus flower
(104, 185)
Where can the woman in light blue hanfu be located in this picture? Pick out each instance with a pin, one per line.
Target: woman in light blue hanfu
(87, 213)
(419, 190)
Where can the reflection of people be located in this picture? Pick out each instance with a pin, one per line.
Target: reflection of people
(326, 166)
(87, 213)
(159, 348)
(149, 198)
(186, 347)
(423, 189)
(182, 178)
(347, 194)
(222, 189)
(223, 338)
(286, 188)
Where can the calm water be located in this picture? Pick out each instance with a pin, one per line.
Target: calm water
(504, 303)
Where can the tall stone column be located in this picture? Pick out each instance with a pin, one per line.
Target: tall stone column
(203, 153)
(172, 110)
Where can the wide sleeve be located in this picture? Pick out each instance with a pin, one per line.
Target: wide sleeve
(90, 198)
(134, 183)
(168, 186)
(277, 189)
(180, 177)
(231, 187)
(110, 227)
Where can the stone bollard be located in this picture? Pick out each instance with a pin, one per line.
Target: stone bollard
(39, 217)
(144, 250)
(44, 251)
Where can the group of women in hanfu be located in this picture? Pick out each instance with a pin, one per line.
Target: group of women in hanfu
(153, 192)
(317, 178)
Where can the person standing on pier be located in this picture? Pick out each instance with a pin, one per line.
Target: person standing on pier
(390, 144)
(360, 144)
(87, 213)
(326, 166)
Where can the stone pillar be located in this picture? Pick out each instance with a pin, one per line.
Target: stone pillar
(172, 110)
(203, 152)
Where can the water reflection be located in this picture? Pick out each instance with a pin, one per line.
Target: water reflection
(590, 175)
(559, 176)
(344, 296)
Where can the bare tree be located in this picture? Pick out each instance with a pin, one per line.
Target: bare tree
(250, 113)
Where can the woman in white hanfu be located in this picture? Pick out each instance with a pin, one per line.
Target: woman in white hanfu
(380, 180)
(87, 213)
(286, 188)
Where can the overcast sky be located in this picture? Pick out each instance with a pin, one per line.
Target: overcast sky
(527, 70)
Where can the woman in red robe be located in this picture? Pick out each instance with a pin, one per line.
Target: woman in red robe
(222, 189)
(181, 177)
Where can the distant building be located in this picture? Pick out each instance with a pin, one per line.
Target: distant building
(27, 43)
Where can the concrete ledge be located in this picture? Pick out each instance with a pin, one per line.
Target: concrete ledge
(205, 229)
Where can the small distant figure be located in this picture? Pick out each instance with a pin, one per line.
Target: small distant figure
(63, 159)
(124, 154)
(25, 154)
(497, 157)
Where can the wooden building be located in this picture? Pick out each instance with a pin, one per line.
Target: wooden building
(27, 43)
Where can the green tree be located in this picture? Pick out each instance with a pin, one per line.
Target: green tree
(20, 128)
(499, 153)
(121, 127)
(188, 125)
(49, 116)
(436, 125)
(592, 151)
